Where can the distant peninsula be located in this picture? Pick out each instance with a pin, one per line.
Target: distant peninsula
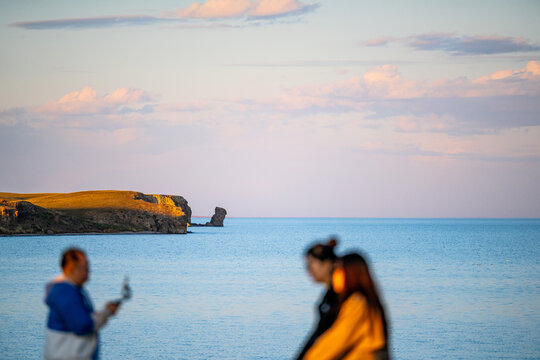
(105, 211)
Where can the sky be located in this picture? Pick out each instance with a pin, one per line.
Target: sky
(278, 108)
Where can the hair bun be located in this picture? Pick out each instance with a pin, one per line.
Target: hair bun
(332, 243)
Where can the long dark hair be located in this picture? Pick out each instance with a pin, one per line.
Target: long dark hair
(358, 279)
(322, 251)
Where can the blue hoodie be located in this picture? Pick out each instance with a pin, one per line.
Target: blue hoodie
(70, 312)
(70, 309)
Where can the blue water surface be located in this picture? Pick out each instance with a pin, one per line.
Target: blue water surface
(454, 288)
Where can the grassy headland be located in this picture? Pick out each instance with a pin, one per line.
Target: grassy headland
(92, 211)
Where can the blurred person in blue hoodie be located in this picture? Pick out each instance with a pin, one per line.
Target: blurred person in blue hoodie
(73, 325)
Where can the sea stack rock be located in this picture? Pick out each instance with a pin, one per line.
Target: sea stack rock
(218, 217)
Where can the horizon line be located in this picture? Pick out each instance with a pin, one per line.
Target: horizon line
(383, 217)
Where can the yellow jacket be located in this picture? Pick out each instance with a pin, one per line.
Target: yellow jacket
(357, 333)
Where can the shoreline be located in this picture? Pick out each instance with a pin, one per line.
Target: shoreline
(101, 233)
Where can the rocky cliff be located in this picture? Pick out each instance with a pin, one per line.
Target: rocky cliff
(93, 211)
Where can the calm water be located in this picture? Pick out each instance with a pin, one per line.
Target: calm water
(454, 289)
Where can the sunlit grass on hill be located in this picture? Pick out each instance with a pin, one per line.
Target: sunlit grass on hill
(94, 200)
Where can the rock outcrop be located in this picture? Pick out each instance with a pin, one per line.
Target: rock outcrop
(93, 211)
(216, 220)
(218, 217)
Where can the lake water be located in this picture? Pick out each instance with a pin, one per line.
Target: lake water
(454, 288)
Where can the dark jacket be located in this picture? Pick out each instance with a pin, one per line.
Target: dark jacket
(328, 311)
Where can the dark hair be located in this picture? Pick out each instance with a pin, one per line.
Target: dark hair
(323, 252)
(358, 279)
(72, 254)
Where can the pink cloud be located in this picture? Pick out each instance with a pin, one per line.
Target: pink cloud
(210, 9)
(529, 72)
(533, 67)
(127, 96)
(525, 81)
(87, 102)
(504, 99)
(86, 108)
(215, 9)
(386, 82)
(219, 9)
(263, 8)
(381, 82)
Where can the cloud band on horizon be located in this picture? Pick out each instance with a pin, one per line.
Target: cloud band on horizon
(90, 22)
(501, 100)
(210, 10)
(456, 45)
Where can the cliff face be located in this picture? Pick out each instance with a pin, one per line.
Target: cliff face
(93, 211)
(177, 203)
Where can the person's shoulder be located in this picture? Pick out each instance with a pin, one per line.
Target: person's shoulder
(60, 292)
(357, 297)
(64, 285)
(62, 288)
(355, 301)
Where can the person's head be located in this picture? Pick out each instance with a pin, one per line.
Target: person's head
(351, 275)
(320, 260)
(75, 265)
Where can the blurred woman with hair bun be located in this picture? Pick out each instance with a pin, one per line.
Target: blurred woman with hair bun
(320, 259)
